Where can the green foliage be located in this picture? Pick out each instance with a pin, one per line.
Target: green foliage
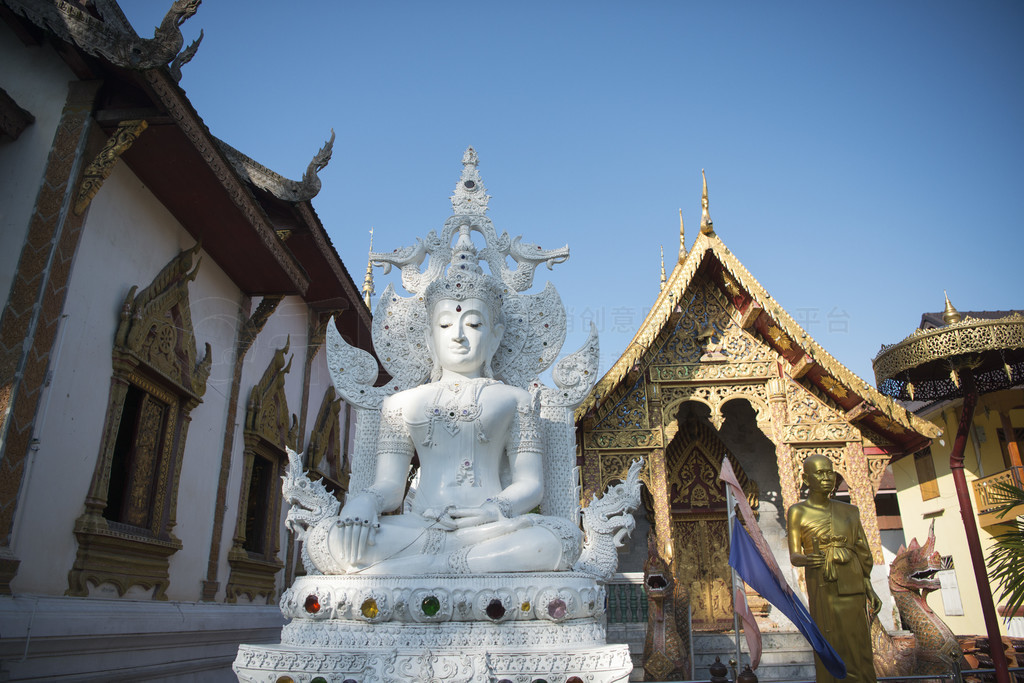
(1006, 561)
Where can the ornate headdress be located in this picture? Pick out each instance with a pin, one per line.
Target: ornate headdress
(465, 279)
(534, 324)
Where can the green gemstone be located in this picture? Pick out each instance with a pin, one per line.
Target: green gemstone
(430, 605)
(319, 679)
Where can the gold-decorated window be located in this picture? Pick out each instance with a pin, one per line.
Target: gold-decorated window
(269, 430)
(125, 536)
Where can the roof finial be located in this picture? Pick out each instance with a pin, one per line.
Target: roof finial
(706, 226)
(682, 238)
(368, 280)
(470, 196)
(950, 315)
(663, 278)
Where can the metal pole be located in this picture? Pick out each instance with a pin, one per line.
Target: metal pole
(956, 465)
(731, 506)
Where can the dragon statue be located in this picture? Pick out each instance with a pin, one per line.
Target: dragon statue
(310, 503)
(933, 648)
(606, 524)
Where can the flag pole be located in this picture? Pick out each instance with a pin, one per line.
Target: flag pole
(731, 506)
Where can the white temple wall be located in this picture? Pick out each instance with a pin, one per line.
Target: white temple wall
(289, 320)
(214, 301)
(127, 238)
(37, 80)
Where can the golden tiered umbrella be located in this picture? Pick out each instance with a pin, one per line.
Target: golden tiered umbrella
(962, 359)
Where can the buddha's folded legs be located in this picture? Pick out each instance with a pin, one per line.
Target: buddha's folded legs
(410, 544)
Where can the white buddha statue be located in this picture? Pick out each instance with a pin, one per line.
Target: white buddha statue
(480, 455)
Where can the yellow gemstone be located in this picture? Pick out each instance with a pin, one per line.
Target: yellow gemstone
(525, 606)
(369, 608)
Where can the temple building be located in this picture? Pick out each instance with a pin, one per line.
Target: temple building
(161, 346)
(718, 369)
(927, 495)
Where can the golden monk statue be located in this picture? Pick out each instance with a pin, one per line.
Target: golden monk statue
(827, 539)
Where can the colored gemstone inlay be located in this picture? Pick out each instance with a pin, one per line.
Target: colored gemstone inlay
(556, 608)
(369, 608)
(312, 604)
(495, 610)
(285, 679)
(321, 679)
(574, 679)
(525, 606)
(431, 605)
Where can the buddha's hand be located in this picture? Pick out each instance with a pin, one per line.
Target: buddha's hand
(466, 517)
(358, 526)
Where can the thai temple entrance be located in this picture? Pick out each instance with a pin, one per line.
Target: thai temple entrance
(719, 369)
(700, 533)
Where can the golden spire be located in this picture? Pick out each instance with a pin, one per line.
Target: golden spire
(682, 238)
(950, 315)
(663, 278)
(706, 226)
(368, 280)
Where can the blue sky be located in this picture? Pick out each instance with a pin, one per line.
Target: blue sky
(861, 157)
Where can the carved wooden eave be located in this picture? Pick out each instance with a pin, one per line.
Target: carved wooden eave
(100, 29)
(240, 210)
(885, 422)
(276, 184)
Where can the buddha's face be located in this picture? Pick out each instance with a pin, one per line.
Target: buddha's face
(819, 474)
(463, 335)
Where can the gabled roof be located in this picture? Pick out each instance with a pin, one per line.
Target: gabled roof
(259, 227)
(762, 315)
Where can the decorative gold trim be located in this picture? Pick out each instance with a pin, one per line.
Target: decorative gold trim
(154, 351)
(248, 329)
(325, 455)
(969, 335)
(680, 280)
(267, 433)
(103, 165)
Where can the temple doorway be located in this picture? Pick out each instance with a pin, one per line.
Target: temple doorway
(700, 534)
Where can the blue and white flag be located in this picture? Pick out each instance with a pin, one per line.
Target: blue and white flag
(753, 560)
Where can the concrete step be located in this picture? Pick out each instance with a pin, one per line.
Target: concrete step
(784, 656)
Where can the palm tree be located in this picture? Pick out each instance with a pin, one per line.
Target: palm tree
(1006, 561)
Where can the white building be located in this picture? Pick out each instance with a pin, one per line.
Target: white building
(160, 345)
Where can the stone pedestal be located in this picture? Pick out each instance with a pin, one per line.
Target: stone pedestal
(458, 628)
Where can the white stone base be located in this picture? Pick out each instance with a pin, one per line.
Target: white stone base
(267, 663)
(541, 627)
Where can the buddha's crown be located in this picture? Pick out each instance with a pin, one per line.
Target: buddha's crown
(465, 279)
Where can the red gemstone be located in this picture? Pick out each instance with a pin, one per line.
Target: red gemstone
(312, 604)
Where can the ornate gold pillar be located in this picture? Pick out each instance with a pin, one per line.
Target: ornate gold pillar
(863, 496)
(788, 480)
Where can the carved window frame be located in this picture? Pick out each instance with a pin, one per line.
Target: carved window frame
(325, 453)
(268, 433)
(154, 358)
